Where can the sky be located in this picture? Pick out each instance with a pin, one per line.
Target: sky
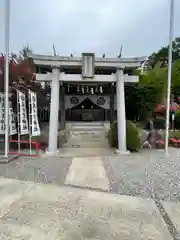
(99, 26)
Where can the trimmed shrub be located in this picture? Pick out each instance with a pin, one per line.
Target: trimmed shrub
(112, 135)
(174, 134)
(133, 140)
(177, 120)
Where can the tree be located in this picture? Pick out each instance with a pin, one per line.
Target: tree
(161, 56)
(25, 51)
(175, 87)
(176, 48)
(144, 96)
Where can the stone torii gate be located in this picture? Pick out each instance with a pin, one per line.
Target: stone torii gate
(87, 62)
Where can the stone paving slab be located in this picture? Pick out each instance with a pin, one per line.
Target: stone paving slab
(173, 211)
(10, 192)
(88, 172)
(14, 232)
(50, 212)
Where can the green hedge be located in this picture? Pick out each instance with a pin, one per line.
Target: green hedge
(177, 120)
(133, 140)
(174, 134)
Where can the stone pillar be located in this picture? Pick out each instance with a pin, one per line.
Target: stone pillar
(111, 110)
(62, 104)
(121, 115)
(54, 111)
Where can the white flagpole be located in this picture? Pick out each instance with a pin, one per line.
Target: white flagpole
(30, 122)
(169, 74)
(18, 120)
(6, 76)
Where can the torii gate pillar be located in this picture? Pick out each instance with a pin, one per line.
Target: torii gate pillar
(54, 111)
(121, 112)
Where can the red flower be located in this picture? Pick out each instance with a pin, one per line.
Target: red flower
(159, 108)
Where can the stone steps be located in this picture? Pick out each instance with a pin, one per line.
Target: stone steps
(87, 129)
(87, 135)
(87, 126)
(84, 142)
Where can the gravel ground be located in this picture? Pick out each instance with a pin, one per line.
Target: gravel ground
(146, 174)
(44, 170)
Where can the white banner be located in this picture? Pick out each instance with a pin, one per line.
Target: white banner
(22, 114)
(33, 115)
(12, 121)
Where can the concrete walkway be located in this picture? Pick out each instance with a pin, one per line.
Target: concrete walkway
(35, 211)
(46, 212)
(88, 172)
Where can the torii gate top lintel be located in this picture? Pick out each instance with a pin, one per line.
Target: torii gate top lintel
(57, 61)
